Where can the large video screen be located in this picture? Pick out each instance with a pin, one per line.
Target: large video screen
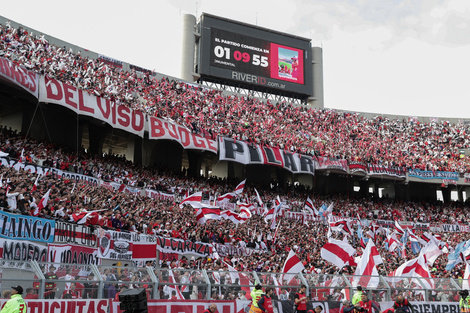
(253, 56)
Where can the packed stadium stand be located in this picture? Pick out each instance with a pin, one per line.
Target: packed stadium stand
(82, 172)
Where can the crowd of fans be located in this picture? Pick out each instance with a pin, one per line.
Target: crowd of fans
(428, 146)
(135, 213)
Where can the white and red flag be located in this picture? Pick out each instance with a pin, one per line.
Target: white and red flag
(366, 274)
(291, 267)
(240, 187)
(204, 214)
(226, 197)
(338, 252)
(195, 197)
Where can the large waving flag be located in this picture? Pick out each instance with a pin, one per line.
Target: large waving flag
(431, 251)
(338, 252)
(367, 267)
(191, 199)
(292, 266)
(204, 214)
(454, 257)
(234, 217)
(226, 197)
(309, 207)
(240, 187)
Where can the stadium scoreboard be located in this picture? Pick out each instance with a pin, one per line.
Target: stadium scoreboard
(251, 56)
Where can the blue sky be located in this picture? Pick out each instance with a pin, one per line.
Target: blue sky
(408, 57)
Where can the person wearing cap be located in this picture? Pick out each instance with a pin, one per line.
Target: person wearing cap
(255, 296)
(16, 304)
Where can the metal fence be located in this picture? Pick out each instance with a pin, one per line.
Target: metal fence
(57, 281)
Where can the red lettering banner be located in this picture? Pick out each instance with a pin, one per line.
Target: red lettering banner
(19, 76)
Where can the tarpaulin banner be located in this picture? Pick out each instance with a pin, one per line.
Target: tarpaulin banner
(164, 129)
(145, 248)
(22, 227)
(73, 254)
(181, 246)
(22, 250)
(433, 174)
(455, 228)
(357, 167)
(115, 245)
(324, 163)
(245, 153)
(41, 170)
(426, 307)
(186, 306)
(20, 76)
(68, 305)
(74, 234)
(83, 103)
(231, 250)
(379, 170)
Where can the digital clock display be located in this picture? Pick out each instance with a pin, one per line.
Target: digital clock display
(260, 58)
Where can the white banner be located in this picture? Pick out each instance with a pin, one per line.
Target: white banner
(242, 152)
(20, 76)
(69, 305)
(79, 101)
(163, 129)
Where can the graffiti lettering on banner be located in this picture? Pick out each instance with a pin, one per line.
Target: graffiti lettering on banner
(163, 129)
(18, 253)
(115, 245)
(24, 227)
(231, 250)
(181, 246)
(245, 153)
(455, 228)
(426, 307)
(145, 248)
(325, 163)
(20, 76)
(73, 254)
(380, 170)
(82, 103)
(70, 305)
(357, 167)
(74, 234)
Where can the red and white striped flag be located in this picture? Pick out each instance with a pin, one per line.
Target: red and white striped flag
(234, 217)
(226, 197)
(204, 214)
(338, 252)
(367, 267)
(291, 267)
(195, 197)
(240, 187)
